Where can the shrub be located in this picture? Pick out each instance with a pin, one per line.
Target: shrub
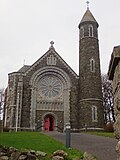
(109, 127)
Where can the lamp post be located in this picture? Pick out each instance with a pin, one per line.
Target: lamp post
(68, 136)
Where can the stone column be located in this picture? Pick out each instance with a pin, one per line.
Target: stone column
(66, 106)
(33, 109)
(117, 127)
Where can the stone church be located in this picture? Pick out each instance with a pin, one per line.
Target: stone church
(48, 94)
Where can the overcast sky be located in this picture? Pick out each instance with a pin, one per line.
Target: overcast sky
(28, 26)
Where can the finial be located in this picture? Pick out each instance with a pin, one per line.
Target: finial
(88, 4)
(51, 44)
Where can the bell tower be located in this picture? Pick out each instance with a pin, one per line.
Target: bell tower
(90, 99)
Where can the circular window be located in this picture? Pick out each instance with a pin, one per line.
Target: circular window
(50, 86)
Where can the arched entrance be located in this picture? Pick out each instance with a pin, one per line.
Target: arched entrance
(49, 123)
(44, 97)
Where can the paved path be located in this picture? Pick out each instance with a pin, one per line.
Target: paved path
(102, 147)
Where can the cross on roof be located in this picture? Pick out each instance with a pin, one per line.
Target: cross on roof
(88, 4)
(51, 43)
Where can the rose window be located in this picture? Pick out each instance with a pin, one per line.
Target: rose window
(50, 86)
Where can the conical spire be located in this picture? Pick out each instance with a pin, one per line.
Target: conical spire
(88, 17)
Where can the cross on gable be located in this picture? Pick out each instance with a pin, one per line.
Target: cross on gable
(51, 43)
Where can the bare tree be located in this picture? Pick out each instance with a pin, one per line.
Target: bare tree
(1, 102)
(109, 115)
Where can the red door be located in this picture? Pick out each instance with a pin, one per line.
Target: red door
(49, 123)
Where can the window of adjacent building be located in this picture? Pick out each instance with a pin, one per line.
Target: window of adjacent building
(81, 32)
(92, 65)
(94, 114)
(90, 30)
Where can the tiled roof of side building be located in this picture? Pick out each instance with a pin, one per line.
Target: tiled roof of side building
(24, 69)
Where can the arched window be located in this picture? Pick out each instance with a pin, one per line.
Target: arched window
(90, 30)
(81, 32)
(92, 65)
(51, 60)
(94, 114)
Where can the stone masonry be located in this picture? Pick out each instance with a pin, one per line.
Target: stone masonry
(114, 75)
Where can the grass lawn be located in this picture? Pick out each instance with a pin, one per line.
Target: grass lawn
(35, 141)
(105, 134)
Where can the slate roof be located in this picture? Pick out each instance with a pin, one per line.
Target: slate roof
(88, 16)
(24, 69)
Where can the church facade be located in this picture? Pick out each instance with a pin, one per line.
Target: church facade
(49, 94)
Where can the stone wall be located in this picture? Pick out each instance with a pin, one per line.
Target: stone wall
(11, 153)
(114, 75)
